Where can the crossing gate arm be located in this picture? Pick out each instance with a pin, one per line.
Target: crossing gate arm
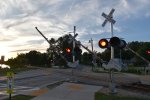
(138, 55)
(51, 45)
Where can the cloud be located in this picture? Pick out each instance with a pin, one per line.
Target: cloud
(39, 42)
(147, 14)
(6, 39)
(132, 9)
(55, 18)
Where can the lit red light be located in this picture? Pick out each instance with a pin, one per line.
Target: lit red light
(148, 51)
(103, 43)
(68, 50)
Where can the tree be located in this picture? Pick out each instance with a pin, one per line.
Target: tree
(60, 48)
(87, 58)
(135, 45)
(19, 61)
(106, 55)
(143, 52)
(52, 40)
(34, 57)
(51, 52)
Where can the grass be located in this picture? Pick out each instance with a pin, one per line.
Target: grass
(101, 96)
(20, 97)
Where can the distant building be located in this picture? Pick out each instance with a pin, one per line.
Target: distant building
(2, 60)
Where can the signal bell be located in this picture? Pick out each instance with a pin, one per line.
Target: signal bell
(103, 43)
(114, 42)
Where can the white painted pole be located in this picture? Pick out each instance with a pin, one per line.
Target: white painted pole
(73, 53)
(92, 44)
(111, 70)
(91, 41)
(74, 44)
(112, 48)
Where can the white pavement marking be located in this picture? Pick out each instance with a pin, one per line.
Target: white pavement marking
(70, 91)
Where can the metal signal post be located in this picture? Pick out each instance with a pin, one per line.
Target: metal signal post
(74, 44)
(73, 40)
(91, 41)
(112, 48)
(112, 21)
(109, 18)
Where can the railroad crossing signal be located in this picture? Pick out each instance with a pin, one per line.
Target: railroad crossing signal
(114, 42)
(103, 43)
(77, 50)
(148, 52)
(117, 42)
(108, 17)
(68, 50)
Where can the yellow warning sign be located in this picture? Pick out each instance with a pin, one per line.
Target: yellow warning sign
(10, 82)
(10, 91)
(10, 74)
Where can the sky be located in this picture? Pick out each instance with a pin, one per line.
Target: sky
(55, 18)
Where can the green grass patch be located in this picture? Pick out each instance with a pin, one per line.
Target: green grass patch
(21, 97)
(101, 96)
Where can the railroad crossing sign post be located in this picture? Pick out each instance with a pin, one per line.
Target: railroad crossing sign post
(109, 18)
(10, 83)
(91, 41)
(74, 44)
(93, 56)
(73, 39)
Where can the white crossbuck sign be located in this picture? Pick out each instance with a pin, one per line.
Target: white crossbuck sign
(108, 17)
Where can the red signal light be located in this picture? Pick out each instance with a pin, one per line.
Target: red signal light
(103, 43)
(148, 51)
(68, 50)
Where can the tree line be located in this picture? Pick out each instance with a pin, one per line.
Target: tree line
(35, 58)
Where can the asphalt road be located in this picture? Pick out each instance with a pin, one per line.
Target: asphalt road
(40, 78)
(31, 80)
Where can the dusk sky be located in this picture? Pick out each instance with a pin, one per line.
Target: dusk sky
(18, 19)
